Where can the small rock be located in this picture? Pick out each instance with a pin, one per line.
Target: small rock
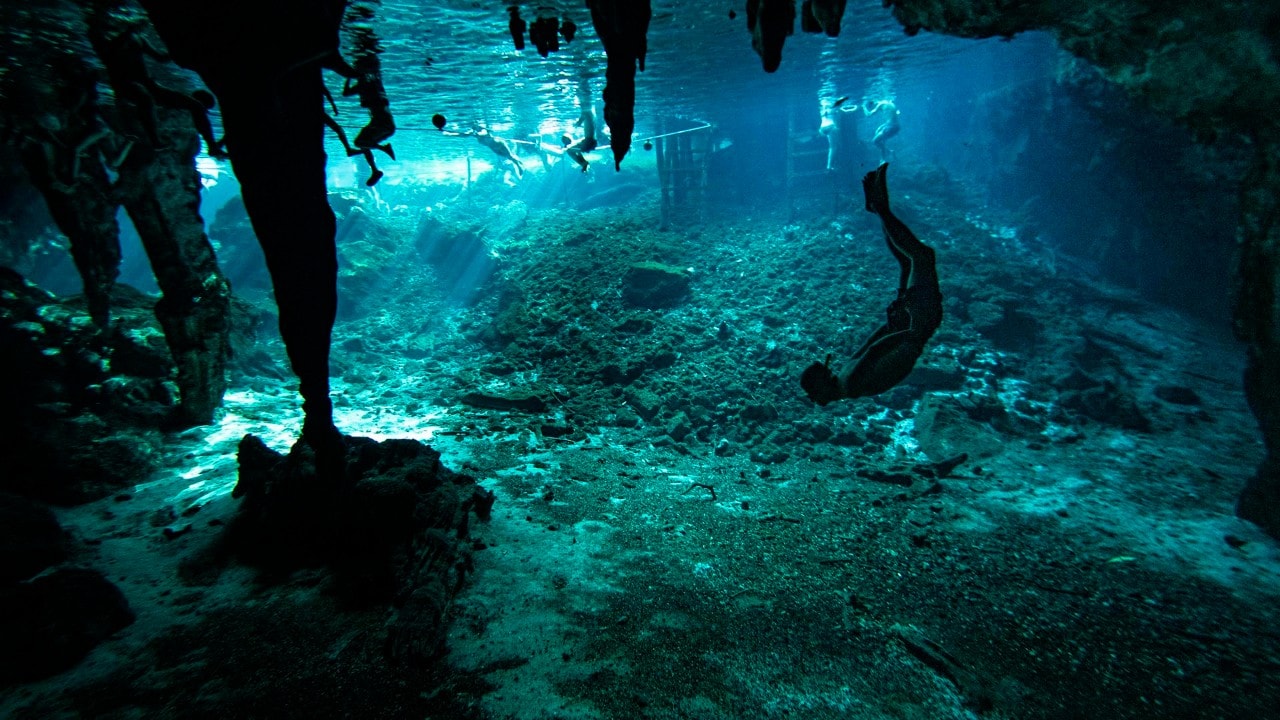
(1177, 395)
(523, 402)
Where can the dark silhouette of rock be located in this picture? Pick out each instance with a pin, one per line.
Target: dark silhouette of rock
(30, 538)
(518, 401)
(1256, 320)
(516, 25)
(391, 527)
(623, 27)
(262, 59)
(1206, 77)
(770, 22)
(1109, 404)
(1177, 395)
(84, 431)
(49, 624)
(544, 33)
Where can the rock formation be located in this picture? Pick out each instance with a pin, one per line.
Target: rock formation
(396, 531)
(623, 27)
(69, 140)
(1211, 67)
(770, 22)
(266, 75)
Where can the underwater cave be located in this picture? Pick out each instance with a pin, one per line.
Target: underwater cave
(639, 359)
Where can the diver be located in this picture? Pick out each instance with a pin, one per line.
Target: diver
(890, 354)
(888, 128)
(494, 143)
(575, 150)
(373, 97)
(544, 149)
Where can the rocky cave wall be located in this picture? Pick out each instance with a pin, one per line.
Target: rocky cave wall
(1129, 194)
(1213, 68)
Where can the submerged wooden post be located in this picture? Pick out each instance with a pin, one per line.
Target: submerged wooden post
(664, 179)
(681, 164)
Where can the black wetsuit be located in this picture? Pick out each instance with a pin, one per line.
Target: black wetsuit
(890, 354)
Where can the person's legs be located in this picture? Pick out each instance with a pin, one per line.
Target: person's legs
(883, 133)
(889, 355)
(336, 127)
(904, 262)
(831, 132)
(374, 173)
(916, 259)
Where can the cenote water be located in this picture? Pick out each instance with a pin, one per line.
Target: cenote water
(576, 473)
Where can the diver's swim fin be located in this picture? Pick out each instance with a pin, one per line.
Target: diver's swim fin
(876, 189)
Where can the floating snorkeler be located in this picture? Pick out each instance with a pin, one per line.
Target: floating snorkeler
(888, 128)
(890, 354)
(575, 150)
(496, 144)
(374, 173)
(829, 128)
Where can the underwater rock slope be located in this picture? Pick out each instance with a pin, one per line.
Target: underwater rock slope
(1211, 66)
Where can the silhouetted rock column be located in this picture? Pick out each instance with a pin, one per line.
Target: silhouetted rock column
(162, 195)
(770, 22)
(1257, 318)
(53, 114)
(280, 165)
(86, 214)
(160, 188)
(623, 27)
(262, 59)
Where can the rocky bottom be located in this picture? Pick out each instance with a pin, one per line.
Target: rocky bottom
(1038, 524)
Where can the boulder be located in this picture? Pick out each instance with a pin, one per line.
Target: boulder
(655, 285)
(30, 538)
(49, 624)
